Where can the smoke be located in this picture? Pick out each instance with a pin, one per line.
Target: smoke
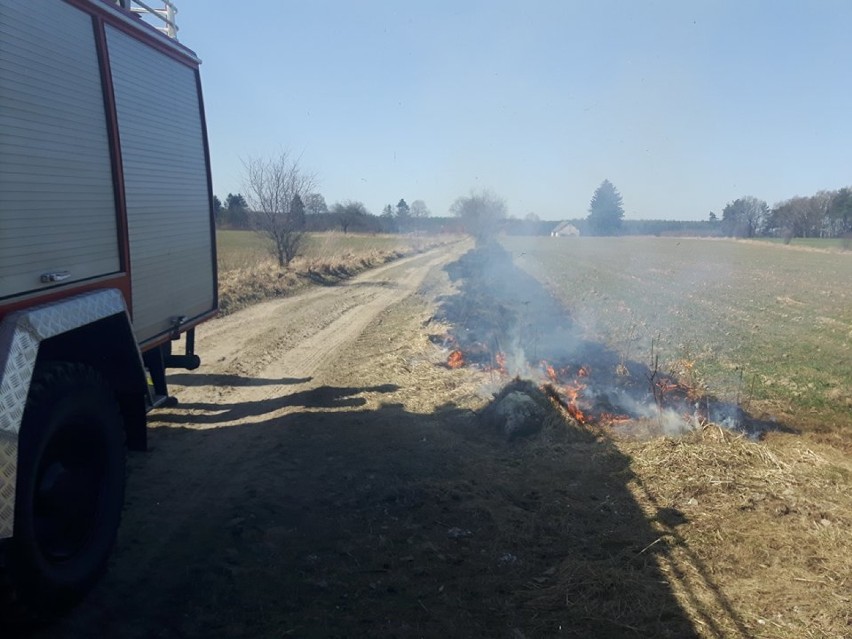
(505, 319)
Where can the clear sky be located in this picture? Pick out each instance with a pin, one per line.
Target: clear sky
(683, 105)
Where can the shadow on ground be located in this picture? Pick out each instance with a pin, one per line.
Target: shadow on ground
(212, 379)
(323, 397)
(382, 523)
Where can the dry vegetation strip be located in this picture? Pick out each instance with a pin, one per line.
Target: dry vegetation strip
(759, 538)
(248, 273)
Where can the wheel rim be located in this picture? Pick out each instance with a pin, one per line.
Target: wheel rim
(69, 489)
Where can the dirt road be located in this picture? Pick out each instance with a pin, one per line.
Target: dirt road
(324, 475)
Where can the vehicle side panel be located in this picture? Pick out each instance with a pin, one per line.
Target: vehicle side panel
(166, 185)
(57, 197)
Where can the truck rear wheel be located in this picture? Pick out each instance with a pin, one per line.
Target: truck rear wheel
(70, 485)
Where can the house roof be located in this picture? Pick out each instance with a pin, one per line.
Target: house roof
(565, 227)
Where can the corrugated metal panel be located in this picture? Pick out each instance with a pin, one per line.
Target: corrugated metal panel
(57, 205)
(165, 177)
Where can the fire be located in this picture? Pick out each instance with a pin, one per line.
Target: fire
(456, 359)
(666, 386)
(576, 413)
(572, 392)
(500, 361)
(552, 375)
(583, 372)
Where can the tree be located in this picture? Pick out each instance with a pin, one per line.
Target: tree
(840, 212)
(785, 219)
(817, 220)
(273, 186)
(218, 211)
(387, 221)
(403, 212)
(297, 212)
(419, 209)
(315, 204)
(480, 213)
(350, 214)
(744, 217)
(605, 210)
(238, 215)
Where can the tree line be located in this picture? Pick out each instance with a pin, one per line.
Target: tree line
(281, 204)
(824, 214)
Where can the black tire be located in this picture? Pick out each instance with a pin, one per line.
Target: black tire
(70, 486)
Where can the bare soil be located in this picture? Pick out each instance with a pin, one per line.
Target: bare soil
(327, 475)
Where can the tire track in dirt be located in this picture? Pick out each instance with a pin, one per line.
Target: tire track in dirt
(247, 342)
(322, 324)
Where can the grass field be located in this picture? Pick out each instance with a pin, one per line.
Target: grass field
(762, 323)
(239, 249)
(827, 244)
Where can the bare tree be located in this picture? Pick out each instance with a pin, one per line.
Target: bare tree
(272, 185)
(840, 213)
(419, 209)
(481, 213)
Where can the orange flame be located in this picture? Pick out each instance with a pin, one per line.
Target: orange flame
(500, 360)
(552, 375)
(666, 386)
(572, 391)
(583, 372)
(456, 359)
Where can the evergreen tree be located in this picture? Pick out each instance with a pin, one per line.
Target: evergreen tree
(218, 211)
(238, 216)
(297, 212)
(403, 212)
(605, 210)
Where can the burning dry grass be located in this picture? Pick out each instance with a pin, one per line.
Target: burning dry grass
(756, 321)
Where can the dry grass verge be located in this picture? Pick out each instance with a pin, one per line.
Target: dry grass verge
(757, 532)
(264, 279)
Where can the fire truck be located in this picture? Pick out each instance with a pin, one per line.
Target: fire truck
(107, 261)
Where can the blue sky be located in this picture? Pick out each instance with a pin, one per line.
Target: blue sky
(684, 106)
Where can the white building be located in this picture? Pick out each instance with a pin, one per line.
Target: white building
(565, 229)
